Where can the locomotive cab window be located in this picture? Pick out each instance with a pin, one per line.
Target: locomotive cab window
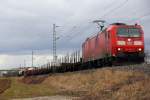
(134, 32)
(128, 32)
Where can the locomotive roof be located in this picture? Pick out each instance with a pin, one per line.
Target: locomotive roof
(118, 24)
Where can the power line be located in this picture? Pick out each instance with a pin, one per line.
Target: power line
(111, 11)
(71, 36)
(77, 25)
(139, 18)
(114, 9)
(67, 36)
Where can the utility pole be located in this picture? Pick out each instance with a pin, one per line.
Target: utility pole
(32, 57)
(54, 44)
(24, 63)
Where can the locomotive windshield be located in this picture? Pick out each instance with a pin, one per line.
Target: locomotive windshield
(128, 32)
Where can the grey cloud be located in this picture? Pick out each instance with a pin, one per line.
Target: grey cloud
(27, 24)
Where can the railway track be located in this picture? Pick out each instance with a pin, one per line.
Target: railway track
(145, 68)
(132, 66)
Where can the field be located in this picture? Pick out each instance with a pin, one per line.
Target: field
(96, 84)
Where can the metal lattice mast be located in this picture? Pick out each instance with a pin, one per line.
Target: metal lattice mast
(55, 38)
(54, 44)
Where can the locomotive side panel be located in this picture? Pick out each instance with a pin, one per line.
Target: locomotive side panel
(97, 47)
(104, 45)
(100, 46)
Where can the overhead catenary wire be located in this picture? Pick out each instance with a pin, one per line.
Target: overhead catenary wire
(140, 17)
(70, 36)
(110, 11)
(114, 9)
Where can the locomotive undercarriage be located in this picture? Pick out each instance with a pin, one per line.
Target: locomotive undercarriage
(120, 59)
(137, 57)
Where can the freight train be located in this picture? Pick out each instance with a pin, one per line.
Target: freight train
(116, 43)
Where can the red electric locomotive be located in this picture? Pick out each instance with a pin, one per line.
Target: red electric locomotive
(117, 41)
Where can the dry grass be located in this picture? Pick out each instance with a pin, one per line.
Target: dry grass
(101, 84)
(33, 79)
(19, 89)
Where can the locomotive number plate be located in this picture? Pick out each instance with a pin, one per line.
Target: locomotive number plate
(129, 43)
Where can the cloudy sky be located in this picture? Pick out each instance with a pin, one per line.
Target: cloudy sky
(26, 25)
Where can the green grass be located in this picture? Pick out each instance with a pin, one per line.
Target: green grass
(21, 90)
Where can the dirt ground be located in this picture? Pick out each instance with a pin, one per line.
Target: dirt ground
(4, 84)
(49, 98)
(33, 79)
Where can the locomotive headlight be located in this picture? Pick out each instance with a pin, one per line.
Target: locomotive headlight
(119, 49)
(121, 42)
(137, 42)
(140, 49)
(129, 40)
